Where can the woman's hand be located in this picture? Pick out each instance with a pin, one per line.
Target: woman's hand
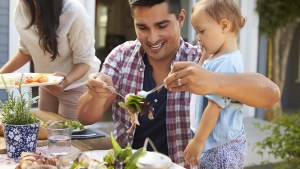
(56, 89)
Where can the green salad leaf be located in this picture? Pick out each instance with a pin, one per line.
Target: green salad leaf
(124, 156)
(134, 104)
(75, 124)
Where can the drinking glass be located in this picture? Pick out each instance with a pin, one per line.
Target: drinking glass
(59, 139)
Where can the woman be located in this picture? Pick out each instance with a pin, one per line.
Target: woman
(56, 35)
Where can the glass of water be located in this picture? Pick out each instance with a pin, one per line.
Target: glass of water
(59, 139)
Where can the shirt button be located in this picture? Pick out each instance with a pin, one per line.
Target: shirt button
(130, 136)
(141, 69)
(155, 100)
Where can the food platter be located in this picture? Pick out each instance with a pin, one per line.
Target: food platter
(157, 157)
(76, 126)
(12, 80)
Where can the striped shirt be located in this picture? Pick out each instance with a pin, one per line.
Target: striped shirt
(126, 67)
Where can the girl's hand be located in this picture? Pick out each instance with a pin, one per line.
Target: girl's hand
(192, 153)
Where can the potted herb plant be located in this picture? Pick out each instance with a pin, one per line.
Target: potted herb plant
(20, 123)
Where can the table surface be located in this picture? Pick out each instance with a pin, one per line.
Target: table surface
(101, 143)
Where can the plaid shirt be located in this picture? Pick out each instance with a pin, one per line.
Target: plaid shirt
(126, 67)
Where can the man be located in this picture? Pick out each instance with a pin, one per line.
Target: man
(141, 65)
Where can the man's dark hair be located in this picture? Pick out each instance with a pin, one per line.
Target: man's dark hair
(174, 5)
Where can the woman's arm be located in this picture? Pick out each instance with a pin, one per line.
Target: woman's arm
(252, 89)
(77, 71)
(17, 61)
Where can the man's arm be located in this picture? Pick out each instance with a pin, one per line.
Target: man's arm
(94, 103)
(252, 89)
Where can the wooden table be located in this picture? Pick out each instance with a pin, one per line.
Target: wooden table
(102, 143)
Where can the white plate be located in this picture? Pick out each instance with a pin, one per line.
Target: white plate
(11, 78)
(99, 154)
(78, 130)
(154, 160)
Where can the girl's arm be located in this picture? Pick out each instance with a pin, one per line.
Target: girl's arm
(208, 121)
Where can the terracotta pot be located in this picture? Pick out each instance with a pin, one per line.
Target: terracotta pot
(20, 138)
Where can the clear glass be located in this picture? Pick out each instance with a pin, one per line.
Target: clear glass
(59, 139)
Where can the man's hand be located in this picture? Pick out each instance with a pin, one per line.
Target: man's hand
(189, 76)
(97, 85)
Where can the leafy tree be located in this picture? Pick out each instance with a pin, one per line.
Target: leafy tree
(278, 20)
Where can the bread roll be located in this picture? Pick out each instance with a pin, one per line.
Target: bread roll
(42, 133)
(1, 130)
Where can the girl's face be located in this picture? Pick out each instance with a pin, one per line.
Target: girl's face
(209, 32)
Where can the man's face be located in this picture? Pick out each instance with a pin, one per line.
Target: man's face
(158, 30)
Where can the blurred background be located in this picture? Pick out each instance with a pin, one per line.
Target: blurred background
(269, 43)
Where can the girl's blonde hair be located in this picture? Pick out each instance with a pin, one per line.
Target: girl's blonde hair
(223, 9)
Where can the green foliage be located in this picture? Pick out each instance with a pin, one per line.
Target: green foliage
(277, 14)
(16, 110)
(284, 141)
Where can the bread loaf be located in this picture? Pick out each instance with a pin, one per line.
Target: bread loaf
(29, 159)
(1, 129)
(42, 133)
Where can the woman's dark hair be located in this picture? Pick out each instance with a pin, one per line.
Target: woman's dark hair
(174, 5)
(45, 16)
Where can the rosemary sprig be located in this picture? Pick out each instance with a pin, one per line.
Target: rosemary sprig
(16, 110)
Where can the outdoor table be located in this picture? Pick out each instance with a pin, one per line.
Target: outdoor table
(101, 143)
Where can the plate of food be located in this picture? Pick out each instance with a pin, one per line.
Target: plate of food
(13, 80)
(76, 126)
(103, 159)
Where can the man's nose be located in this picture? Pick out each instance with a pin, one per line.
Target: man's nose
(153, 36)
